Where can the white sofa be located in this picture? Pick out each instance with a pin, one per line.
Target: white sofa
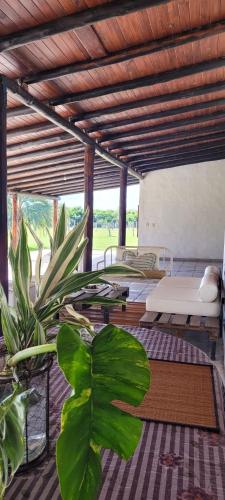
(187, 295)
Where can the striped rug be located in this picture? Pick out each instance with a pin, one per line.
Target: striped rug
(170, 463)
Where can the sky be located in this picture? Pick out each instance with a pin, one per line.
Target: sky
(107, 199)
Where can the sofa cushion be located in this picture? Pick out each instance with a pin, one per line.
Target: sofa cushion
(180, 282)
(208, 290)
(142, 262)
(181, 301)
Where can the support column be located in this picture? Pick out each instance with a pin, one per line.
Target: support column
(55, 213)
(89, 159)
(14, 219)
(123, 207)
(3, 188)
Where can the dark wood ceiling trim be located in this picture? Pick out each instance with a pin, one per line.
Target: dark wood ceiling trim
(19, 111)
(195, 133)
(186, 160)
(175, 154)
(160, 114)
(164, 126)
(61, 122)
(128, 54)
(70, 180)
(145, 81)
(58, 178)
(38, 141)
(174, 146)
(30, 129)
(98, 184)
(61, 148)
(78, 20)
(148, 168)
(174, 96)
(61, 170)
(55, 160)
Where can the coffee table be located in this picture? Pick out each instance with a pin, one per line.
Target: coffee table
(120, 292)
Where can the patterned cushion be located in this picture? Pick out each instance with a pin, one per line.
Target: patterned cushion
(128, 254)
(141, 262)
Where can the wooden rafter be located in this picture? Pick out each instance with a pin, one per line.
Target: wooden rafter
(61, 122)
(128, 54)
(145, 81)
(164, 126)
(74, 21)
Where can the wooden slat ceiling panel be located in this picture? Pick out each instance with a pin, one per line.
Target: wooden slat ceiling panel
(95, 42)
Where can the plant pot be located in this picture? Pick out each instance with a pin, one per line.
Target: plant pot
(36, 432)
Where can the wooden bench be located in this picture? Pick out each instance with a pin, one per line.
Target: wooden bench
(177, 324)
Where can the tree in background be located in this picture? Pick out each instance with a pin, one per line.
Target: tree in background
(38, 212)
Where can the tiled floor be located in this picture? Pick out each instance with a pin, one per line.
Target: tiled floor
(140, 288)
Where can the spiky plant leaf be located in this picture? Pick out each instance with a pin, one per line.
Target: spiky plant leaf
(60, 231)
(61, 260)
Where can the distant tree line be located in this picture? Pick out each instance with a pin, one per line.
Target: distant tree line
(102, 218)
(39, 212)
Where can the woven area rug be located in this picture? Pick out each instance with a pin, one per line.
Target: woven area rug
(180, 393)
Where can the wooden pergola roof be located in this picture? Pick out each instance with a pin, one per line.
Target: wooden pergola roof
(144, 80)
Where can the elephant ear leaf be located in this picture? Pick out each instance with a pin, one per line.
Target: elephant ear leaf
(114, 367)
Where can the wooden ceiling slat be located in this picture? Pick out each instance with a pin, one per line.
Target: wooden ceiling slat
(175, 153)
(163, 98)
(154, 79)
(61, 122)
(128, 54)
(160, 114)
(74, 21)
(165, 126)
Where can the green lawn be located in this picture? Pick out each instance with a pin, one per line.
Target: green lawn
(102, 239)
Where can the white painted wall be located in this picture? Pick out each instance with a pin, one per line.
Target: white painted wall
(183, 208)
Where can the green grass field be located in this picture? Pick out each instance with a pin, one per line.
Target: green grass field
(102, 239)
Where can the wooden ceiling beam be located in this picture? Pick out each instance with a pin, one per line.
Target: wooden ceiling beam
(186, 160)
(47, 151)
(45, 182)
(79, 189)
(57, 182)
(38, 141)
(147, 147)
(173, 96)
(200, 132)
(62, 190)
(49, 114)
(152, 47)
(164, 126)
(76, 171)
(74, 21)
(22, 172)
(30, 129)
(158, 115)
(174, 151)
(183, 154)
(56, 161)
(145, 81)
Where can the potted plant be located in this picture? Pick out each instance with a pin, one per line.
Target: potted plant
(113, 366)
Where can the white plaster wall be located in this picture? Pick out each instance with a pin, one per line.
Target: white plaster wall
(183, 208)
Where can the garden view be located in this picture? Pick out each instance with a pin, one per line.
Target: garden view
(38, 212)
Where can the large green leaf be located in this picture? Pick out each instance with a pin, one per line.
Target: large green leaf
(114, 367)
(12, 421)
(39, 256)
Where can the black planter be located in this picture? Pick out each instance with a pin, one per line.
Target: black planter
(36, 432)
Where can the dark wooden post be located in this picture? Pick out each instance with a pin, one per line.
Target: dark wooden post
(55, 214)
(3, 188)
(123, 207)
(14, 219)
(89, 159)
